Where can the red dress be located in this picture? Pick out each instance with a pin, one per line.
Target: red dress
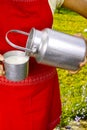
(34, 103)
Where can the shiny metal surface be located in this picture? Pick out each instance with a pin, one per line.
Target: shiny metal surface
(16, 72)
(58, 49)
(55, 48)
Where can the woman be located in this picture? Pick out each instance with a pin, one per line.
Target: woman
(34, 103)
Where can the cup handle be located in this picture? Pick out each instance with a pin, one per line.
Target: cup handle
(12, 44)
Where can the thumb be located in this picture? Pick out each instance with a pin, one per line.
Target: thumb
(1, 58)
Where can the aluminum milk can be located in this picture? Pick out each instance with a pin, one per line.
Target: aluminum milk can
(53, 48)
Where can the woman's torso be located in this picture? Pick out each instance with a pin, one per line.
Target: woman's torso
(22, 15)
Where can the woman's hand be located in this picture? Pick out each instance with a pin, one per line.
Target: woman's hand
(2, 72)
(85, 61)
(85, 39)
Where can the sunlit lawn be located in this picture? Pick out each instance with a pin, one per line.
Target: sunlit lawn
(73, 87)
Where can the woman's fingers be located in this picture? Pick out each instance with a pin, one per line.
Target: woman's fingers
(1, 58)
(83, 63)
(2, 72)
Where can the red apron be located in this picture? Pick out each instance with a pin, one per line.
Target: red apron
(34, 103)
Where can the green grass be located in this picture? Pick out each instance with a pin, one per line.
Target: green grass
(73, 87)
(69, 22)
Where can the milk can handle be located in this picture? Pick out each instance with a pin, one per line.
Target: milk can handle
(12, 44)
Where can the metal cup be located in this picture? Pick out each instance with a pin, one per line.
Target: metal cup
(16, 65)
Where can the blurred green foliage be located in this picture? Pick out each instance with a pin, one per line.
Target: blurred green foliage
(73, 88)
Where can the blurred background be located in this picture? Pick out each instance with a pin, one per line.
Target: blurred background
(73, 87)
